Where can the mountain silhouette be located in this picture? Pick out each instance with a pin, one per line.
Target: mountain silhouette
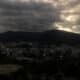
(47, 36)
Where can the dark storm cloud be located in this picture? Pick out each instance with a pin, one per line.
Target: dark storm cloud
(26, 17)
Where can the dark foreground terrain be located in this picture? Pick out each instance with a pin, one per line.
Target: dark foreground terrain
(43, 62)
(43, 59)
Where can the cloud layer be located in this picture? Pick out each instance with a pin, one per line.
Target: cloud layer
(39, 16)
(26, 16)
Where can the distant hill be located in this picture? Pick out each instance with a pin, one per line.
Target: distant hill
(61, 37)
(20, 36)
(52, 35)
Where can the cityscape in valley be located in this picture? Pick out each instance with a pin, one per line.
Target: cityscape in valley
(39, 40)
(48, 61)
(40, 58)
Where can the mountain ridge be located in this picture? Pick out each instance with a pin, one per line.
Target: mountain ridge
(51, 35)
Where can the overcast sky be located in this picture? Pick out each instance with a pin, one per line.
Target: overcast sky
(39, 15)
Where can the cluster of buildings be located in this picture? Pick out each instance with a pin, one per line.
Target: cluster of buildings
(38, 52)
